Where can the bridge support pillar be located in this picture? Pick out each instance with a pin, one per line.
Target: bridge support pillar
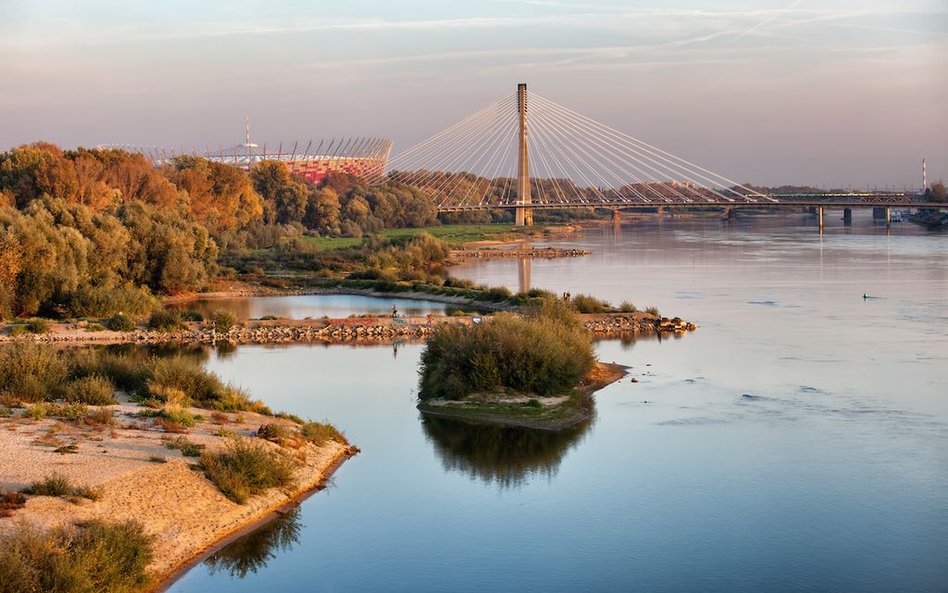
(888, 218)
(847, 216)
(616, 216)
(819, 213)
(524, 214)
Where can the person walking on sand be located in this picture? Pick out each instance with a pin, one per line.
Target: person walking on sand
(394, 311)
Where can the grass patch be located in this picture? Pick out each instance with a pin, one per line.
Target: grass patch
(38, 325)
(627, 307)
(165, 320)
(96, 557)
(653, 311)
(223, 320)
(319, 433)
(245, 468)
(585, 303)
(59, 485)
(94, 390)
(187, 448)
(120, 322)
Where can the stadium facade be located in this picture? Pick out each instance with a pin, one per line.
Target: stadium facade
(313, 161)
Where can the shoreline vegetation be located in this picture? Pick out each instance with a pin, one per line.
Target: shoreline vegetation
(536, 370)
(182, 460)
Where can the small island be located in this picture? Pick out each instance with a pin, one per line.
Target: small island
(535, 370)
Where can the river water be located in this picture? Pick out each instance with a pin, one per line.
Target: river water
(797, 441)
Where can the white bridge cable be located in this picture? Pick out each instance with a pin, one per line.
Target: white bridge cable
(556, 184)
(502, 198)
(666, 178)
(453, 155)
(647, 151)
(469, 155)
(500, 156)
(615, 161)
(634, 143)
(434, 139)
(492, 151)
(556, 146)
(555, 122)
(418, 157)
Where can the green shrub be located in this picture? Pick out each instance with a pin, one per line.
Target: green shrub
(546, 352)
(93, 390)
(223, 320)
(653, 311)
(187, 448)
(191, 315)
(17, 331)
(99, 417)
(166, 320)
(32, 372)
(72, 411)
(98, 556)
(585, 303)
(274, 432)
(36, 411)
(59, 485)
(321, 432)
(100, 302)
(95, 327)
(627, 307)
(5, 412)
(38, 325)
(120, 322)
(245, 468)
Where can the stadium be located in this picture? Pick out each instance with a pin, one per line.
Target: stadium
(363, 157)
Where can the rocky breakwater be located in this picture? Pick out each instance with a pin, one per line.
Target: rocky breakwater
(635, 323)
(535, 252)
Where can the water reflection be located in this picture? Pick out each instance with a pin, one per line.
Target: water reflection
(250, 553)
(504, 455)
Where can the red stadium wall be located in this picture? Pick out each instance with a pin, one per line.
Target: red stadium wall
(315, 170)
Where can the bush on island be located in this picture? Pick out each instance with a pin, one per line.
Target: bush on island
(545, 352)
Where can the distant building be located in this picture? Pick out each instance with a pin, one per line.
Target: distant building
(363, 157)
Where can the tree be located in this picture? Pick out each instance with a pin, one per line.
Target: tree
(936, 193)
(322, 211)
(221, 197)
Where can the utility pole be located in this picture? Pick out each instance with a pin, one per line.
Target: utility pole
(524, 216)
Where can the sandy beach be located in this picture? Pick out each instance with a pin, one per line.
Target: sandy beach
(141, 479)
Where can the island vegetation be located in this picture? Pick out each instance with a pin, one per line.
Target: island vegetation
(537, 369)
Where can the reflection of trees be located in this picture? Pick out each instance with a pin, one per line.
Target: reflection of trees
(251, 552)
(502, 454)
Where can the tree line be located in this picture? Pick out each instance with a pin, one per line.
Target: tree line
(92, 231)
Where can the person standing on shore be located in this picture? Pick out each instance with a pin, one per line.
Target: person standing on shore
(394, 311)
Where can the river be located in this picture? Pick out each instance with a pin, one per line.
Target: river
(797, 441)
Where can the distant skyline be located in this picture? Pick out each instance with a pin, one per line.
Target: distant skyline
(834, 93)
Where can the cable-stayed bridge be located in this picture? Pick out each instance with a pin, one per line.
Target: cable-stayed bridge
(528, 152)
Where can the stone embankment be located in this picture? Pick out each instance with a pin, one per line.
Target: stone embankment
(537, 252)
(352, 329)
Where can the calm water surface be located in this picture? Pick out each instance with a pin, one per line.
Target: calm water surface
(314, 305)
(798, 441)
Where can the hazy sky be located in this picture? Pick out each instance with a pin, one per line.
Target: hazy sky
(833, 92)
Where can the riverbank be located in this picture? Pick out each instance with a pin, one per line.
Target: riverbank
(526, 411)
(344, 330)
(140, 476)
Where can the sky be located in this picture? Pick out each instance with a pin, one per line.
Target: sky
(835, 93)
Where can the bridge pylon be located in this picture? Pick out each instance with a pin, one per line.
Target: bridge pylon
(524, 214)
